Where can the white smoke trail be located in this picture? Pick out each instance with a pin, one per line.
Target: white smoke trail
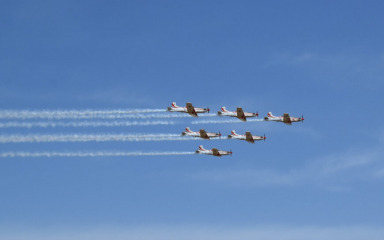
(225, 121)
(53, 124)
(148, 116)
(88, 154)
(84, 138)
(95, 138)
(78, 114)
(169, 115)
(120, 114)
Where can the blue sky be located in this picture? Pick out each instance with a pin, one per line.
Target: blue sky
(312, 180)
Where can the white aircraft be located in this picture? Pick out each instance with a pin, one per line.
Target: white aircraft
(202, 134)
(188, 109)
(247, 137)
(214, 151)
(285, 118)
(239, 113)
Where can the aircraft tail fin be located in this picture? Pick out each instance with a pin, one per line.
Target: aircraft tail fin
(224, 109)
(233, 132)
(201, 148)
(187, 129)
(270, 114)
(174, 105)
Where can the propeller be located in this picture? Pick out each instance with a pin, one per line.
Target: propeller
(257, 114)
(264, 137)
(208, 109)
(219, 134)
(302, 118)
(230, 152)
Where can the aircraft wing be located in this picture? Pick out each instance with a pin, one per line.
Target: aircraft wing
(191, 110)
(203, 134)
(240, 114)
(248, 137)
(287, 118)
(216, 152)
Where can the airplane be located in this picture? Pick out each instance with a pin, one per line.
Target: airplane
(247, 137)
(214, 151)
(202, 134)
(239, 113)
(285, 118)
(188, 109)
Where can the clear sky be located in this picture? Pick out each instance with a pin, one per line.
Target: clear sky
(321, 179)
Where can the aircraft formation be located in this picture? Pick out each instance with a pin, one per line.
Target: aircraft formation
(239, 113)
(71, 119)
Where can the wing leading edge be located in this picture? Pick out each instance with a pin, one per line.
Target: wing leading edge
(240, 114)
(203, 134)
(216, 152)
(249, 138)
(191, 110)
(287, 118)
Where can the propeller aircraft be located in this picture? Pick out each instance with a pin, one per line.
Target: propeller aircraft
(239, 113)
(247, 137)
(189, 108)
(202, 134)
(285, 118)
(214, 151)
